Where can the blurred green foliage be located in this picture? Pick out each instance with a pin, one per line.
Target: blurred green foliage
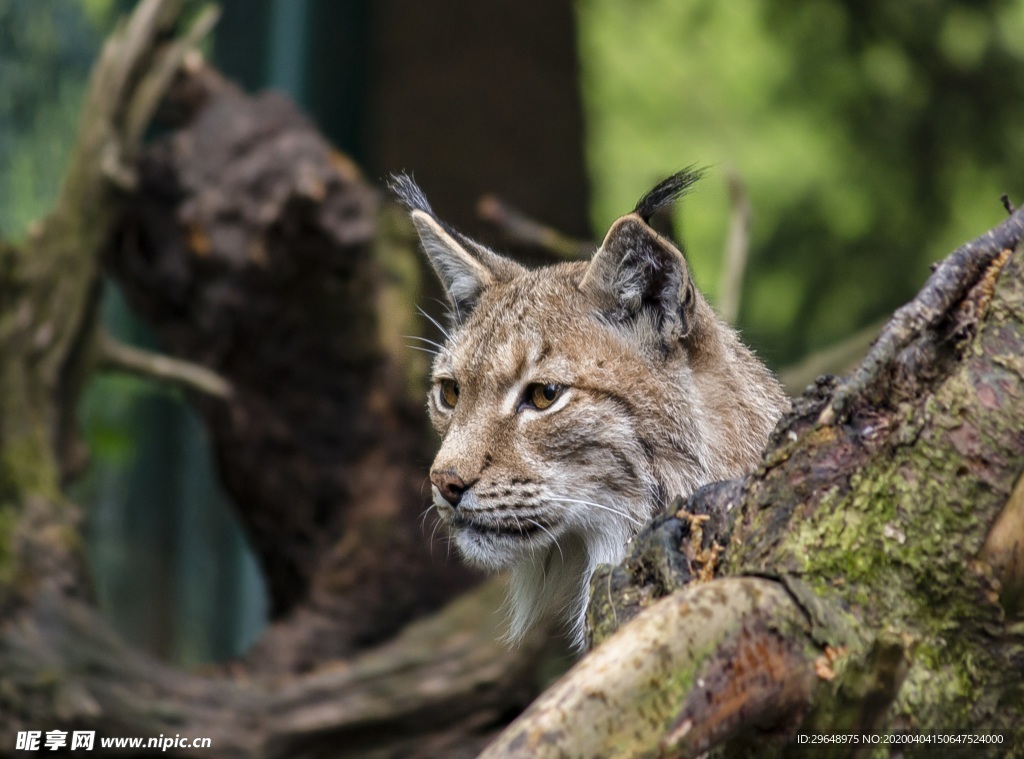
(873, 138)
(46, 50)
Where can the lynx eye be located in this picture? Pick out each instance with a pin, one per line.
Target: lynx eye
(542, 396)
(449, 393)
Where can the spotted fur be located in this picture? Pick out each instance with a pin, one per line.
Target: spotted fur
(658, 398)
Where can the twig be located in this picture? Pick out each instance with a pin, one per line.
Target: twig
(168, 61)
(116, 356)
(947, 285)
(737, 249)
(1007, 204)
(523, 230)
(832, 359)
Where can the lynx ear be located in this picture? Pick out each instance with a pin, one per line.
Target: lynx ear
(463, 276)
(637, 272)
(464, 268)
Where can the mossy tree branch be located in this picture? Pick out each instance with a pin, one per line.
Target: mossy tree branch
(892, 532)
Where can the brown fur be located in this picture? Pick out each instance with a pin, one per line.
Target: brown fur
(658, 398)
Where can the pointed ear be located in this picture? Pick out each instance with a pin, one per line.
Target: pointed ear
(464, 268)
(463, 274)
(636, 273)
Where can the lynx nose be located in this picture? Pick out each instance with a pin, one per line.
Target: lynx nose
(449, 485)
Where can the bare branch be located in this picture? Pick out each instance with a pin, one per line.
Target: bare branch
(737, 249)
(167, 63)
(523, 230)
(117, 356)
(946, 286)
(833, 359)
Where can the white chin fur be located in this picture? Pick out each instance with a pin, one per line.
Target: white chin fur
(494, 552)
(549, 579)
(556, 584)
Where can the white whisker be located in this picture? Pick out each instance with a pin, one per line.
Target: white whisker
(542, 566)
(425, 350)
(455, 315)
(429, 342)
(554, 540)
(435, 323)
(621, 513)
(433, 533)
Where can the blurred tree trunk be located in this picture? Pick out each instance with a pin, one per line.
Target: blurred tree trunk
(482, 97)
(866, 577)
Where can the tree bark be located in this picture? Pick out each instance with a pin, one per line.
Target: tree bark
(866, 577)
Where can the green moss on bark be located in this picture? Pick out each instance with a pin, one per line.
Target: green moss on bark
(899, 539)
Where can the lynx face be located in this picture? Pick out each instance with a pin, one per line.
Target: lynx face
(574, 401)
(541, 435)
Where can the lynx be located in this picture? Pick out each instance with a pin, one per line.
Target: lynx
(574, 401)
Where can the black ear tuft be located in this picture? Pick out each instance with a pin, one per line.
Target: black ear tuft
(667, 191)
(464, 267)
(409, 193)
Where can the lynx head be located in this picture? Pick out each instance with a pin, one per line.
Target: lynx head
(574, 401)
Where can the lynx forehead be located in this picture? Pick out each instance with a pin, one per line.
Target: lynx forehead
(574, 401)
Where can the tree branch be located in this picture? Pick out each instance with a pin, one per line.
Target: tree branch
(832, 359)
(945, 287)
(116, 356)
(689, 672)
(436, 690)
(48, 319)
(522, 230)
(737, 249)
